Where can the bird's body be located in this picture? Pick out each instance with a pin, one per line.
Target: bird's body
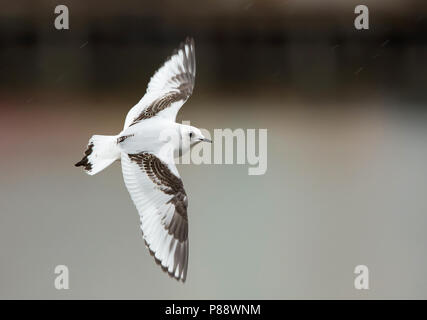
(144, 136)
(146, 148)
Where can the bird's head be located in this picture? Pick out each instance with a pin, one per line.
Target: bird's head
(192, 135)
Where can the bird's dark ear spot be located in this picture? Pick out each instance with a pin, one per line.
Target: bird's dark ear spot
(191, 135)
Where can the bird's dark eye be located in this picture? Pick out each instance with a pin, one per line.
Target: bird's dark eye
(191, 135)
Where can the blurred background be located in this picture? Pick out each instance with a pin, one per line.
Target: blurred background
(347, 148)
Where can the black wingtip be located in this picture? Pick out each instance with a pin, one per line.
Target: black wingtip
(164, 269)
(79, 164)
(85, 161)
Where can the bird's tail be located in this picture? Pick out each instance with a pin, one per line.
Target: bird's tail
(101, 151)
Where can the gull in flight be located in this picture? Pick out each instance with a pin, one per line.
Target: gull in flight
(146, 147)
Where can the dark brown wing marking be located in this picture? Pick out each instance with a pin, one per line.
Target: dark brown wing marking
(159, 105)
(123, 138)
(159, 173)
(85, 161)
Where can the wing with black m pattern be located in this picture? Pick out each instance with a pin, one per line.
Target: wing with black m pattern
(161, 201)
(169, 88)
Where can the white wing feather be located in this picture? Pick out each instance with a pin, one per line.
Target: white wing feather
(177, 74)
(156, 213)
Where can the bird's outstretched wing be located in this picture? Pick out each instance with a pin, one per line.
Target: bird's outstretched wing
(169, 88)
(159, 196)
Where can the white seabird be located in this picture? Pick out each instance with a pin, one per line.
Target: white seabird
(146, 148)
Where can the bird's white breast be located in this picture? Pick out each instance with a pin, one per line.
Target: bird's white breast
(151, 135)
